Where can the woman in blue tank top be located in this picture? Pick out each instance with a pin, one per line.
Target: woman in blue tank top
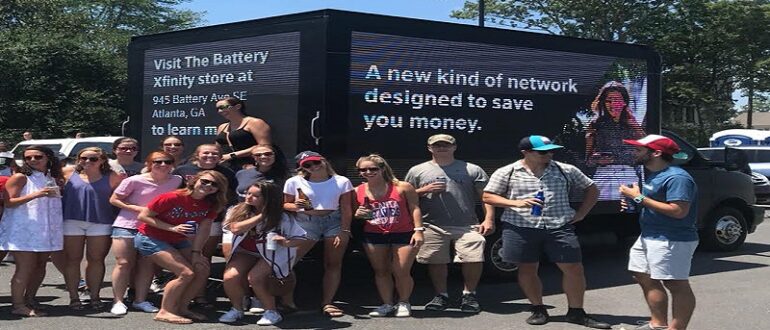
(88, 217)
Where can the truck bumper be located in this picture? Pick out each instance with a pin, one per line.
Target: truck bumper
(758, 216)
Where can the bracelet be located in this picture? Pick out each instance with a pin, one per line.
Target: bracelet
(348, 231)
(419, 228)
(233, 155)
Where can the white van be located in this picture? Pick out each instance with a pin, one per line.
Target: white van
(68, 147)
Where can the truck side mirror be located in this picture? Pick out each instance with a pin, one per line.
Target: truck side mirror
(736, 160)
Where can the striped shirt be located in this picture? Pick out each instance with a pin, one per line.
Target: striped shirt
(515, 182)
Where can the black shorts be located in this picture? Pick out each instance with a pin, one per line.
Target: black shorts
(526, 245)
(390, 239)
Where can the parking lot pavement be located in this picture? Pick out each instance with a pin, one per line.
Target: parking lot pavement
(731, 289)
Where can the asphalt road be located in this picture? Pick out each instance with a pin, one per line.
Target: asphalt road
(731, 288)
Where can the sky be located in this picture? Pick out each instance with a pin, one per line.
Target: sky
(228, 11)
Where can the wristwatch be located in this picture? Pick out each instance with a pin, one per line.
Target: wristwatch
(639, 199)
(233, 156)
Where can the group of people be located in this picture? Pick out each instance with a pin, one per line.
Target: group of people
(168, 213)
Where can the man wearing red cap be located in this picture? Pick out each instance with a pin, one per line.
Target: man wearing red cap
(661, 257)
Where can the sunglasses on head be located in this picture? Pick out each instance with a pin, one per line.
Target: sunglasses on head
(208, 183)
(35, 157)
(311, 163)
(223, 106)
(369, 169)
(127, 148)
(260, 154)
(172, 144)
(163, 161)
(89, 159)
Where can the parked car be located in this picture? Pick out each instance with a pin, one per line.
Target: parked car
(757, 156)
(67, 148)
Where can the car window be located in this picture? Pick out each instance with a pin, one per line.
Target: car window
(759, 155)
(713, 154)
(686, 153)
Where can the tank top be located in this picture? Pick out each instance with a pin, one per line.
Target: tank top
(390, 213)
(240, 139)
(89, 202)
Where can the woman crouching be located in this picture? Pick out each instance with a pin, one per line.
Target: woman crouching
(264, 247)
(175, 227)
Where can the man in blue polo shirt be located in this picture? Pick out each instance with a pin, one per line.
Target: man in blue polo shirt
(661, 257)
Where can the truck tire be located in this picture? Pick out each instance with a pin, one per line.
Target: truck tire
(494, 267)
(724, 229)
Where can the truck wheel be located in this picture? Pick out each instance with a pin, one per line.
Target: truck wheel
(725, 229)
(494, 266)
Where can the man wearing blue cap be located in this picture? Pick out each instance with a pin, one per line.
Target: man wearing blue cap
(538, 218)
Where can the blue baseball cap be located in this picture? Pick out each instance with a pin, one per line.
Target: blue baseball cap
(537, 143)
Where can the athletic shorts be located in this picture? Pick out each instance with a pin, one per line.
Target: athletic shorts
(662, 259)
(468, 245)
(526, 245)
(389, 239)
(83, 228)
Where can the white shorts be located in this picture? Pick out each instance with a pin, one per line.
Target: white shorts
(663, 260)
(83, 228)
(227, 236)
(216, 229)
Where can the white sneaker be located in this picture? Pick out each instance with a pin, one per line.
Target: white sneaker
(255, 306)
(270, 317)
(156, 286)
(231, 316)
(403, 309)
(119, 308)
(382, 311)
(145, 306)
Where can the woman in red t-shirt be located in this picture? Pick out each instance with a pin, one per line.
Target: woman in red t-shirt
(166, 238)
(393, 232)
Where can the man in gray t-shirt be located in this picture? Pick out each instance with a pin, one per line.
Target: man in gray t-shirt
(449, 190)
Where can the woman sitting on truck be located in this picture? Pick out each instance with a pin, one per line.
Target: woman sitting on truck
(255, 221)
(175, 226)
(605, 150)
(392, 232)
(240, 133)
(322, 201)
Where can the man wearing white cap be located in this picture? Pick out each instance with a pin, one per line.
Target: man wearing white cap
(662, 255)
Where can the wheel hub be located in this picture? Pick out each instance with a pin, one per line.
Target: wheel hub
(497, 258)
(728, 230)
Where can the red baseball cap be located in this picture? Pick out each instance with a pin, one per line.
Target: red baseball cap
(656, 142)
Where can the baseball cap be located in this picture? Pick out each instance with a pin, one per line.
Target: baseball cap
(656, 142)
(441, 138)
(307, 156)
(537, 143)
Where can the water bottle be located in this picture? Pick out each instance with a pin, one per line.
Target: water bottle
(194, 229)
(537, 209)
(630, 204)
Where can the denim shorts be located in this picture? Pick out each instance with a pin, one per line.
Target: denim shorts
(118, 232)
(526, 245)
(316, 227)
(389, 239)
(148, 246)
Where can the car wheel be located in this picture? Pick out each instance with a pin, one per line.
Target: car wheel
(725, 229)
(494, 266)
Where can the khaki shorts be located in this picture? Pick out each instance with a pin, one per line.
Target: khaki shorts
(468, 245)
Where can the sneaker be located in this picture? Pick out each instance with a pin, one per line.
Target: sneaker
(119, 308)
(469, 303)
(270, 317)
(231, 316)
(84, 295)
(586, 321)
(439, 303)
(156, 285)
(145, 306)
(403, 309)
(82, 285)
(255, 306)
(382, 311)
(539, 315)
(647, 326)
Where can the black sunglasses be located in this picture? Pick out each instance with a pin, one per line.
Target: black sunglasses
(35, 157)
(260, 154)
(369, 169)
(223, 106)
(163, 161)
(544, 152)
(311, 163)
(208, 183)
(90, 159)
(127, 148)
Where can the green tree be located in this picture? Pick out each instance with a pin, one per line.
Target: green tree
(63, 63)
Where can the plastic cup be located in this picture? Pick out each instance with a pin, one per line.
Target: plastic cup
(270, 244)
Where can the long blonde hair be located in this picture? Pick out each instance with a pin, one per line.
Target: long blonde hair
(387, 172)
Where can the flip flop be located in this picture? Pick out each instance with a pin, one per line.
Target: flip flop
(180, 320)
(332, 311)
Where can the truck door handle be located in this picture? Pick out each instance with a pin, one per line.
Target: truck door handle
(312, 127)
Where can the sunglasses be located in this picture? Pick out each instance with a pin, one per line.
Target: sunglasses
(260, 154)
(163, 161)
(369, 169)
(127, 148)
(311, 163)
(223, 106)
(172, 144)
(90, 159)
(208, 183)
(36, 157)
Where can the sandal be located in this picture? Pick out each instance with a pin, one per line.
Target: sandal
(76, 305)
(173, 320)
(25, 311)
(203, 303)
(332, 311)
(36, 305)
